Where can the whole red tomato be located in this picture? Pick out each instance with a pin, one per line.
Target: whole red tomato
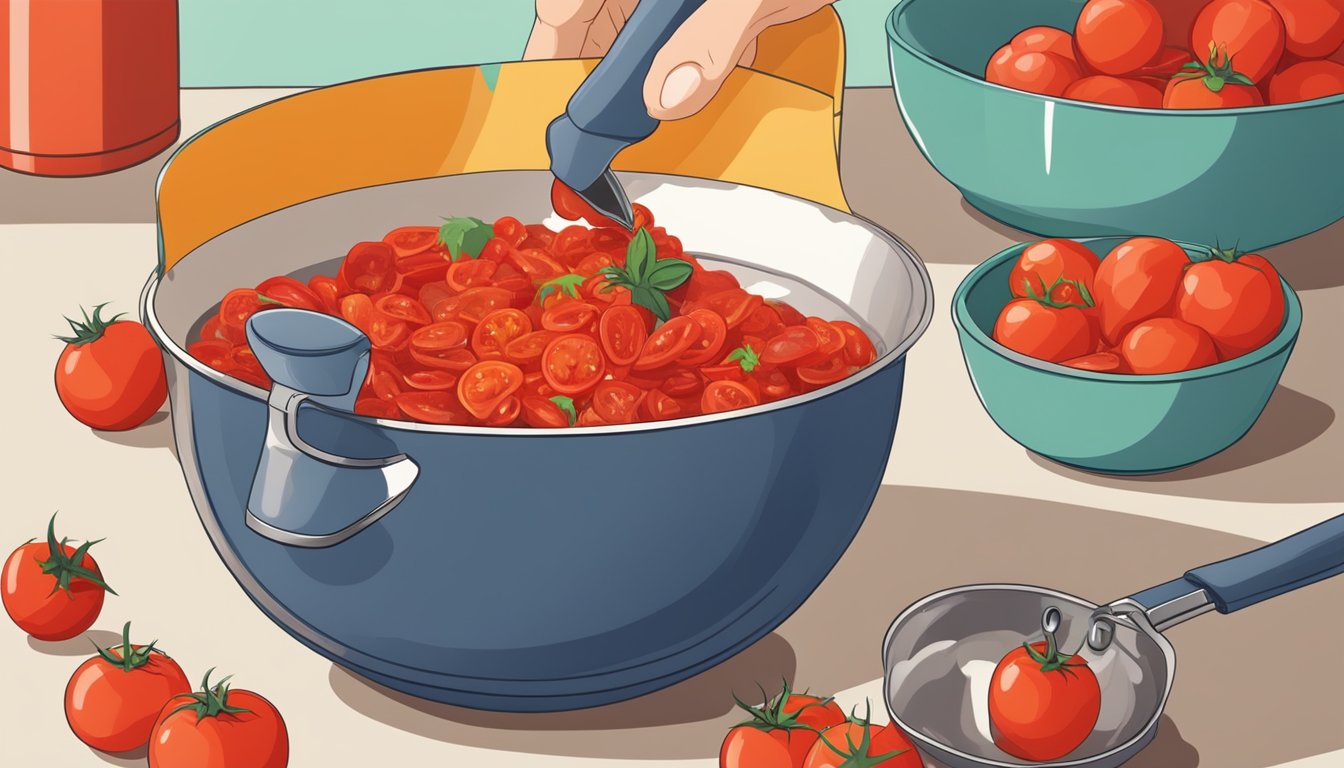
(1236, 299)
(1137, 280)
(780, 733)
(859, 743)
(1167, 345)
(1117, 37)
(1068, 265)
(1045, 330)
(1042, 72)
(114, 698)
(53, 591)
(1312, 28)
(1306, 80)
(1211, 85)
(110, 374)
(1250, 32)
(1042, 704)
(1119, 91)
(219, 728)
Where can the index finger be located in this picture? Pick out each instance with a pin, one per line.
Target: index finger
(561, 28)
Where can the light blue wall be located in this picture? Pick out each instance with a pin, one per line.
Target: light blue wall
(316, 42)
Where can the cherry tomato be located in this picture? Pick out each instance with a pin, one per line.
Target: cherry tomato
(1167, 345)
(289, 292)
(708, 344)
(780, 733)
(1103, 362)
(1042, 705)
(237, 306)
(468, 273)
(763, 321)
(569, 316)
(1136, 281)
(457, 360)
(859, 350)
(1119, 91)
(830, 339)
(658, 406)
(793, 343)
(1048, 264)
(725, 395)
(527, 349)
(544, 413)
(447, 334)
(388, 333)
(733, 305)
(472, 304)
(328, 292)
(496, 330)
(431, 380)
(589, 418)
(510, 230)
(369, 267)
(402, 308)
(114, 698)
(617, 401)
(775, 384)
(1053, 334)
(1237, 301)
(621, 330)
(572, 243)
(682, 382)
(385, 379)
(536, 264)
(1197, 93)
(573, 364)
(1312, 28)
(570, 206)
(486, 384)
(217, 354)
(827, 372)
(1034, 71)
(51, 590)
(218, 727)
(1249, 31)
(432, 407)
(1305, 81)
(409, 241)
(358, 310)
(377, 408)
(668, 343)
(1168, 61)
(110, 375)
(1044, 40)
(505, 413)
(1116, 37)
(871, 743)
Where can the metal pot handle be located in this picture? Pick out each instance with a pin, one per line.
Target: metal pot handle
(301, 495)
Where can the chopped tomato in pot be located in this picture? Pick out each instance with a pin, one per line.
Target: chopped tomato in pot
(512, 324)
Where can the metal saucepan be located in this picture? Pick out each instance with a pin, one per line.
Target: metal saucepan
(520, 569)
(941, 652)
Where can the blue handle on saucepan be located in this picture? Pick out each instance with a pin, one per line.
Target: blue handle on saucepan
(607, 114)
(1297, 561)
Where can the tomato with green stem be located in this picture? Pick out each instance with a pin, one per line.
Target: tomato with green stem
(780, 732)
(1042, 703)
(114, 698)
(51, 590)
(857, 743)
(219, 727)
(1237, 299)
(1214, 84)
(1068, 265)
(1250, 31)
(110, 375)
(1046, 329)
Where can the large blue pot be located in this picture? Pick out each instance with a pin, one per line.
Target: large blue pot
(531, 570)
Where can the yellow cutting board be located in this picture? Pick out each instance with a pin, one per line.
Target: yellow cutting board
(775, 126)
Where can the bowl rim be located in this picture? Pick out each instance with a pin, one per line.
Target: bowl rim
(967, 327)
(894, 36)
(918, 272)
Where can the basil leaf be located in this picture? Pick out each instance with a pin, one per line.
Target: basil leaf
(745, 357)
(668, 274)
(565, 284)
(659, 306)
(640, 255)
(465, 235)
(566, 405)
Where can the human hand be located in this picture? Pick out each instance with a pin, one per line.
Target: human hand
(690, 67)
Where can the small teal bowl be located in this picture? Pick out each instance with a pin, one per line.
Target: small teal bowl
(1256, 177)
(1107, 422)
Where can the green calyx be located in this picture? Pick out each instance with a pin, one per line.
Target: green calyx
(647, 276)
(771, 716)
(1048, 299)
(91, 329)
(1215, 72)
(746, 357)
(565, 284)
(857, 754)
(131, 658)
(68, 567)
(566, 406)
(1053, 660)
(210, 701)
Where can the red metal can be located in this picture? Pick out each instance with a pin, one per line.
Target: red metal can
(86, 86)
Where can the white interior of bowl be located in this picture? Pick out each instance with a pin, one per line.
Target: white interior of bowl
(823, 261)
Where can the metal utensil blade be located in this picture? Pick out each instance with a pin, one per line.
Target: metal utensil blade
(607, 197)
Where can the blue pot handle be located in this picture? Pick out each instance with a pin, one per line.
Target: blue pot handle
(303, 496)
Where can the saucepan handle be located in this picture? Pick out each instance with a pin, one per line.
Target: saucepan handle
(302, 495)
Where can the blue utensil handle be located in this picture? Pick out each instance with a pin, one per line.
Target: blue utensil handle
(607, 112)
(1297, 561)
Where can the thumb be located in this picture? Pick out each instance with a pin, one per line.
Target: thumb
(691, 67)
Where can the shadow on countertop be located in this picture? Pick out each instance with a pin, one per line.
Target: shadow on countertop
(917, 541)
(157, 432)
(81, 645)
(135, 757)
(1251, 469)
(123, 197)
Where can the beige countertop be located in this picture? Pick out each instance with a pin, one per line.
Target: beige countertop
(1256, 689)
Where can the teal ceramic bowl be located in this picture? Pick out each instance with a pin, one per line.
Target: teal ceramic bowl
(1055, 167)
(1107, 422)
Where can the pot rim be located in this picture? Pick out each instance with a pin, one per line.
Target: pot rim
(917, 271)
